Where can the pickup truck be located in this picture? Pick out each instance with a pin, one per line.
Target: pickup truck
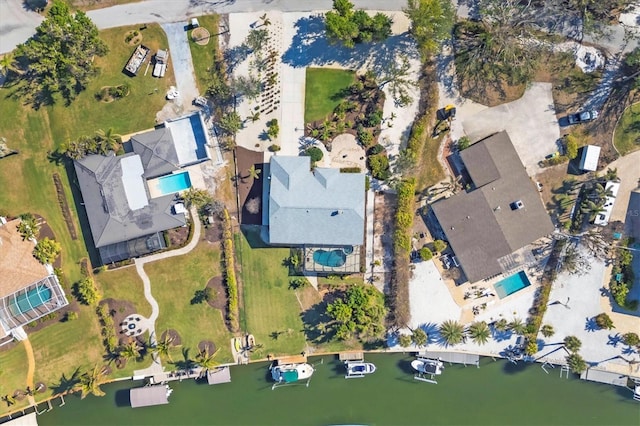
(582, 117)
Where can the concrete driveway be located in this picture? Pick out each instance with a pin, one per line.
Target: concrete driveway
(180, 59)
(17, 24)
(530, 121)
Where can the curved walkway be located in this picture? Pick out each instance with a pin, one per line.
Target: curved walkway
(31, 369)
(155, 310)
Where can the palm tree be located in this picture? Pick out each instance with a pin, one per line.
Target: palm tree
(207, 361)
(547, 330)
(419, 337)
(591, 208)
(107, 140)
(501, 325)
(517, 326)
(576, 363)
(479, 332)
(612, 174)
(254, 173)
(265, 21)
(452, 332)
(8, 64)
(131, 350)
(28, 226)
(572, 343)
(9, 399)
(91, 381)
(163, 346)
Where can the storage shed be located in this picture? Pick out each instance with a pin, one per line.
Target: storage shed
(590, 157)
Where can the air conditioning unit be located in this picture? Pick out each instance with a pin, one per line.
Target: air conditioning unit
(517, 205)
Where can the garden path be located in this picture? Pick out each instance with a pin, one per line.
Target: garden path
(155, 310)
(30, 369)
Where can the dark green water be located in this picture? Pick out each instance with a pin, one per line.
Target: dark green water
(497, 393)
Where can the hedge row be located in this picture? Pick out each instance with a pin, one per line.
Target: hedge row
(229, 272)
(108, 330)
(541, 301)
(403, 222)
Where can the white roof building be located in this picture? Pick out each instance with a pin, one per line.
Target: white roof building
(603, 217)
(590, 157)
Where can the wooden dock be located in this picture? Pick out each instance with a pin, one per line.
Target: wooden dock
(351, 356)
(295, 359)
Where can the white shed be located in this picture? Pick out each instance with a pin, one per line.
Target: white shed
(590, 157)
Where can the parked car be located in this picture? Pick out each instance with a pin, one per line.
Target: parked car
(582, 117)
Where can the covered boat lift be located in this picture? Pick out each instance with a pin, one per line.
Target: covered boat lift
(149, 395)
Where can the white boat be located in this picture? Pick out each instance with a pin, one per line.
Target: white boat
(291, 373)
(428, 366)
(358, 369)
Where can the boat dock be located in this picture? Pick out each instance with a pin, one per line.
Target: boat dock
(453, 357)
(603, 376)
(295, 359)
(214, 377)
(351, 356)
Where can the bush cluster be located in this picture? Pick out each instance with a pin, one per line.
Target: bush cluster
(402, 247)
(86, 291)
(229, 271)
(107, 328)
(620, 288)
(379, 166)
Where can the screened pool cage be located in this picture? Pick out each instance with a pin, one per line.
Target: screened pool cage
(31, 303)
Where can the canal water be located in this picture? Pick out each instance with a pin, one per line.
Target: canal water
(497, 393)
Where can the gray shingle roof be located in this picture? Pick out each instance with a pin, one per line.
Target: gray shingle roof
(157, 152)
(110, 217)
(320, 207)
(482, 225)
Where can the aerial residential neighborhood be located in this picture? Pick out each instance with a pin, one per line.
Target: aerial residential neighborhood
(211, 208)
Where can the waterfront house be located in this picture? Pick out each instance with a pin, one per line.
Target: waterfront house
(501, 213)
(321, 210)
(29, 290)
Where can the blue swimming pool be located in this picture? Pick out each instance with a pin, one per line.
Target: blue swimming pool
(512, 284)
(30, 300)
(330, 258)
(174, 183)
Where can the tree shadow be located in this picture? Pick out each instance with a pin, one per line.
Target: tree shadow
(235, 56)
(315, 320)
(500, 335)
(591, 325)
(432, 331)
(310, 47)
(614, 340)
(122, 398)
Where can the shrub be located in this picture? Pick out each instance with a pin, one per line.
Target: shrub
(532, 347)
(70, 316)
(47, 250)
(425, 254)
(374, 119)
(375, 149)
(364, 136)
(405, 340)
(463, 143)
(439, 246)
(631, 339)
(571, 142)
(379, 166)
(273, 129)
(572, 343)
(315, 153)
(350, 170)
(274, 148)
(604, 321)
(86, 291)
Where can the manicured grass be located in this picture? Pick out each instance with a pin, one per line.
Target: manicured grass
(270, 307)
(92, 4)
(124, 284)
(627, 133)
(203, 56)
(132, 113)
(322, 91)
(13, 375)
(173, 284)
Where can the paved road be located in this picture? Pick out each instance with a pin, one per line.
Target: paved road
(17, 24)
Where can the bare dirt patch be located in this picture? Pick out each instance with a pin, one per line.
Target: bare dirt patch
(119, 310)
(207, 346)
(178, 236)
(249, 188)
(64, 205)
(201, 36)
(173, 335)
(213, 233)
(219, 299)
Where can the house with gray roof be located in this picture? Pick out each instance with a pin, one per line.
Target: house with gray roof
(500, 215)
(320, 209)
(125, 221)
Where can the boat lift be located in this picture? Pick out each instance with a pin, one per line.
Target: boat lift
(296, 383)
(428, 374)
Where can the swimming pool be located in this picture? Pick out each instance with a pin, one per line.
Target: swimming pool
(331, 258)
(174, 183)
(512, 284)
(30, 300)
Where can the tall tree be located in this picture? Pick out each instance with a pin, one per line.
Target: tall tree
(479, 332)
(419, 337)
(207, 361)
(107, 140)
(47, 250)
(59, 58)
(431, 23)
(349, 27)
(572, 343)
(28, 226)
(91, 381)
(452, 332)
(398, 77)
(130, 350)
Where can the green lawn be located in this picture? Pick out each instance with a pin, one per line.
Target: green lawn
(13, 374)
(322, 91)
(28, 187)
(124, 284)
(627, 133)
(203, 56)
(269, 305)
(173, 284)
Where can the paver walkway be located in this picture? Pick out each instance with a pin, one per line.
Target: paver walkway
(155, 310)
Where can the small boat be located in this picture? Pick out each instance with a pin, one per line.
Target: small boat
(358, 369)
(428, 366)
(427, 369)
(290, 373)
